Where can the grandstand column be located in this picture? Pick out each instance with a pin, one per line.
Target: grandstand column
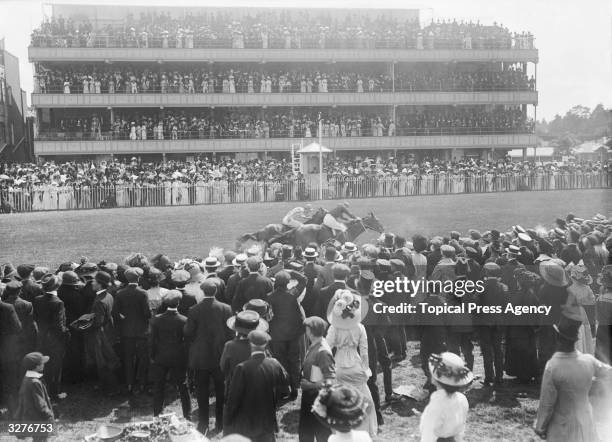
(392, 73)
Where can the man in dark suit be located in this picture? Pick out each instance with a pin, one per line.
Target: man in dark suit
(312, 271)
(30, 289)
(131, 313)
(10, 332)
(228, 270)
(206, 329)
(169, 354)
(253, 394)
(240, 272)
(286, 329)
(326, 276)
(71, 295)
(50, 315)
(253, 286)
(211, 265)
(340, 273)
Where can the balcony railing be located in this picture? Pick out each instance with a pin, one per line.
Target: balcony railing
(205, 134)
(241, 89)
(185, 42)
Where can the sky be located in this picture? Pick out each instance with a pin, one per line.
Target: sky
(574, 37)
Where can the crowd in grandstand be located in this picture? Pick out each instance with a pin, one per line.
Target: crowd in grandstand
(275, 30)
(302, 123)
(205, 169)
(97, 80)
(107, 322)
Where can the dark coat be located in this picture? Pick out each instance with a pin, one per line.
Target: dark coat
(30, 290)
(232, 286)
(99, 339)
(168, 339)
(235, 352)
(50, 316)
(287, 322)
(131, 312)
(10, 329)
(74, 302)
(252, 399)
(34, 404)
(207, 330)
(253, 286)
(225, 273)
(27, 338)
(312, 272)
(327, 293)
(220, 295)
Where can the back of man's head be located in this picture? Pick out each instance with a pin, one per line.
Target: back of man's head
(330, 254)
(253, 264)
(340, 272)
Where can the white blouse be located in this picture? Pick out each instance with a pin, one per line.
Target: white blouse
(444, 416)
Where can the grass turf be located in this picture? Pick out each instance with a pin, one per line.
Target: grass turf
(49, 238)
(53, 237)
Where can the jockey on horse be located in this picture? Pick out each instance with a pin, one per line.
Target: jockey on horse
(337, 218)
(297, 216)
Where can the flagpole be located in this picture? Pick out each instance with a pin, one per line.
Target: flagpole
(320, 157)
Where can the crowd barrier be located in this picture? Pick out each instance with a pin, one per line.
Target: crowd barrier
(51, 197)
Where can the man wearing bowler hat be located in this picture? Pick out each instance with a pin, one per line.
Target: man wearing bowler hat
(169, 353)
(131, 314)
(207, 331)
(50, 315)
(253, 398)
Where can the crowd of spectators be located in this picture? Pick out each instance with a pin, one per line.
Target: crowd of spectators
(204, 169)
(199, 124)
(129, 80)
(281, 30)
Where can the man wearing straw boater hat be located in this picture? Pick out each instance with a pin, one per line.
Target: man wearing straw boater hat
(252, 399)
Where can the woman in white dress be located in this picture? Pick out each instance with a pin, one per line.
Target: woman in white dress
(232, 84)
(579, 296)
(348, 336)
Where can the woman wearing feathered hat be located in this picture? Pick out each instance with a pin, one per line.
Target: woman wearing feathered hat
(348, 336)
(445, 416)
(565, 413)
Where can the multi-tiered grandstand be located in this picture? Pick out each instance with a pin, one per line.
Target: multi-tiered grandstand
(247, 82)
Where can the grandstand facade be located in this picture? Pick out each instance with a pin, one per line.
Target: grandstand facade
(446, 91)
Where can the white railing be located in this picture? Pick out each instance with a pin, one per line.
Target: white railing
(52, 197)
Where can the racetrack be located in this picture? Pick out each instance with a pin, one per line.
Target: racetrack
(50, 238)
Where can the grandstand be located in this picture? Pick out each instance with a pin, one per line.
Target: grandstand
(117, 81)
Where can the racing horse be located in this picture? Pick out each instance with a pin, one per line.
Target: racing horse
(320, 234)
(271, 232)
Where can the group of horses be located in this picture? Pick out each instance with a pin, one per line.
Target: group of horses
(313, 231)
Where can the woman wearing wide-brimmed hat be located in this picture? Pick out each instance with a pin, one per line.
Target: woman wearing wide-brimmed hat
(565, 413)
(445, 416)
(603, 346)
(342, 408)
(348, 336)
(552, 293)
